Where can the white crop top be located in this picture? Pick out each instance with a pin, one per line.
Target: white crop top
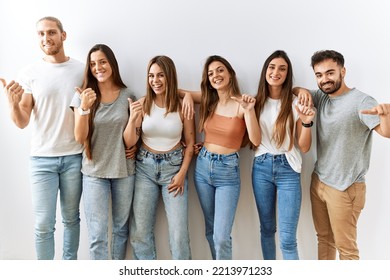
(159, 131)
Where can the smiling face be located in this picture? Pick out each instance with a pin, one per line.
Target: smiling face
(100, 67)
(50, 37)
(329, 76)
(277, 71)
(157, 79)
(219, 76)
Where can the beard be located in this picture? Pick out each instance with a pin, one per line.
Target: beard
(52, 51)
(333, 86)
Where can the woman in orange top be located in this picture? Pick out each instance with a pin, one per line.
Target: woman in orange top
(226, 118)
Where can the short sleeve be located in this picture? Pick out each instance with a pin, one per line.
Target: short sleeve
(76, 101)
(295, 113)
(316, 94)
(371, 121)
(24, 80)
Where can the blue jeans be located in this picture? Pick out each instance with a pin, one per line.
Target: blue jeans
(276, 183)
(48, 176)
(98, 195)
(217, 181)
(154, 173)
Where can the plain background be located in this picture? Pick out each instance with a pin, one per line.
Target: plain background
(245, 32)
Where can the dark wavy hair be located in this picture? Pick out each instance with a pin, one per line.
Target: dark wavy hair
(320, 56)
(91, 82)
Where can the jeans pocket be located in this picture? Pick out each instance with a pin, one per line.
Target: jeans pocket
(140, 155)
(230, 162)
(260, 158)
(35, 158)
(176, 159)
(286, 164)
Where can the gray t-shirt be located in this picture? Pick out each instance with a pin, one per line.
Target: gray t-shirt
(344, 137)
(108, 149)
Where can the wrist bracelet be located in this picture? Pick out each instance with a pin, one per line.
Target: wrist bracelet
(307, 124)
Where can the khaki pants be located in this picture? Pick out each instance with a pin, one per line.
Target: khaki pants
(335, 217)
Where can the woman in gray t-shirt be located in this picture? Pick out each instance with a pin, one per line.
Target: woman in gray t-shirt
(101, 116)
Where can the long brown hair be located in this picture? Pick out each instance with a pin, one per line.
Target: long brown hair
(209, 97)
(285, 120)
(91, 82)
(172, 100)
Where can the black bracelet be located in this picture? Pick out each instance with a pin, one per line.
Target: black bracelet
(307, 124)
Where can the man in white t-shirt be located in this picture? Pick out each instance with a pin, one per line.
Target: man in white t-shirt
(42, 94)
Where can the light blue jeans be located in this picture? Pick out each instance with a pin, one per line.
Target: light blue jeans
(50, 175)
(277, 189)
(154, 173)
(98, 195)
(217, 181)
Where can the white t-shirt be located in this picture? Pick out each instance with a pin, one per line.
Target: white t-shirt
(267, 123)
(52, 86)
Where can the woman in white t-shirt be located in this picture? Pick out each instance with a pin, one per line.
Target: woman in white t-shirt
(285, 132)
(161, 163)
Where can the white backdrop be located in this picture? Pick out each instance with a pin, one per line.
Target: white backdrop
(245, 32)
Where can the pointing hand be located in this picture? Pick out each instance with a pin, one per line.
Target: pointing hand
(380, 110)
(247, 102)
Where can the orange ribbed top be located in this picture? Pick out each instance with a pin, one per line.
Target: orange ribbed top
(224, 131)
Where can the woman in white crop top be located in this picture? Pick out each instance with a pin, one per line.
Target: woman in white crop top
(161, 163)
(286, 132)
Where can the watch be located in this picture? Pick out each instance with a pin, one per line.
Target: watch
(82, 112)
(307, 124)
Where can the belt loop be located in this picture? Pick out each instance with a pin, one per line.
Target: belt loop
(204, 151)
(283, 159)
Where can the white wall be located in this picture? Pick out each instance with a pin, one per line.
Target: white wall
(245, 32)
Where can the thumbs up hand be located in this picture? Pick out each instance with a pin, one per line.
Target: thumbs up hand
(135, 108)
(87, 96)
(14, 92)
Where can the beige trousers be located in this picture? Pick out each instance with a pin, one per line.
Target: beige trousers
(335, 217)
